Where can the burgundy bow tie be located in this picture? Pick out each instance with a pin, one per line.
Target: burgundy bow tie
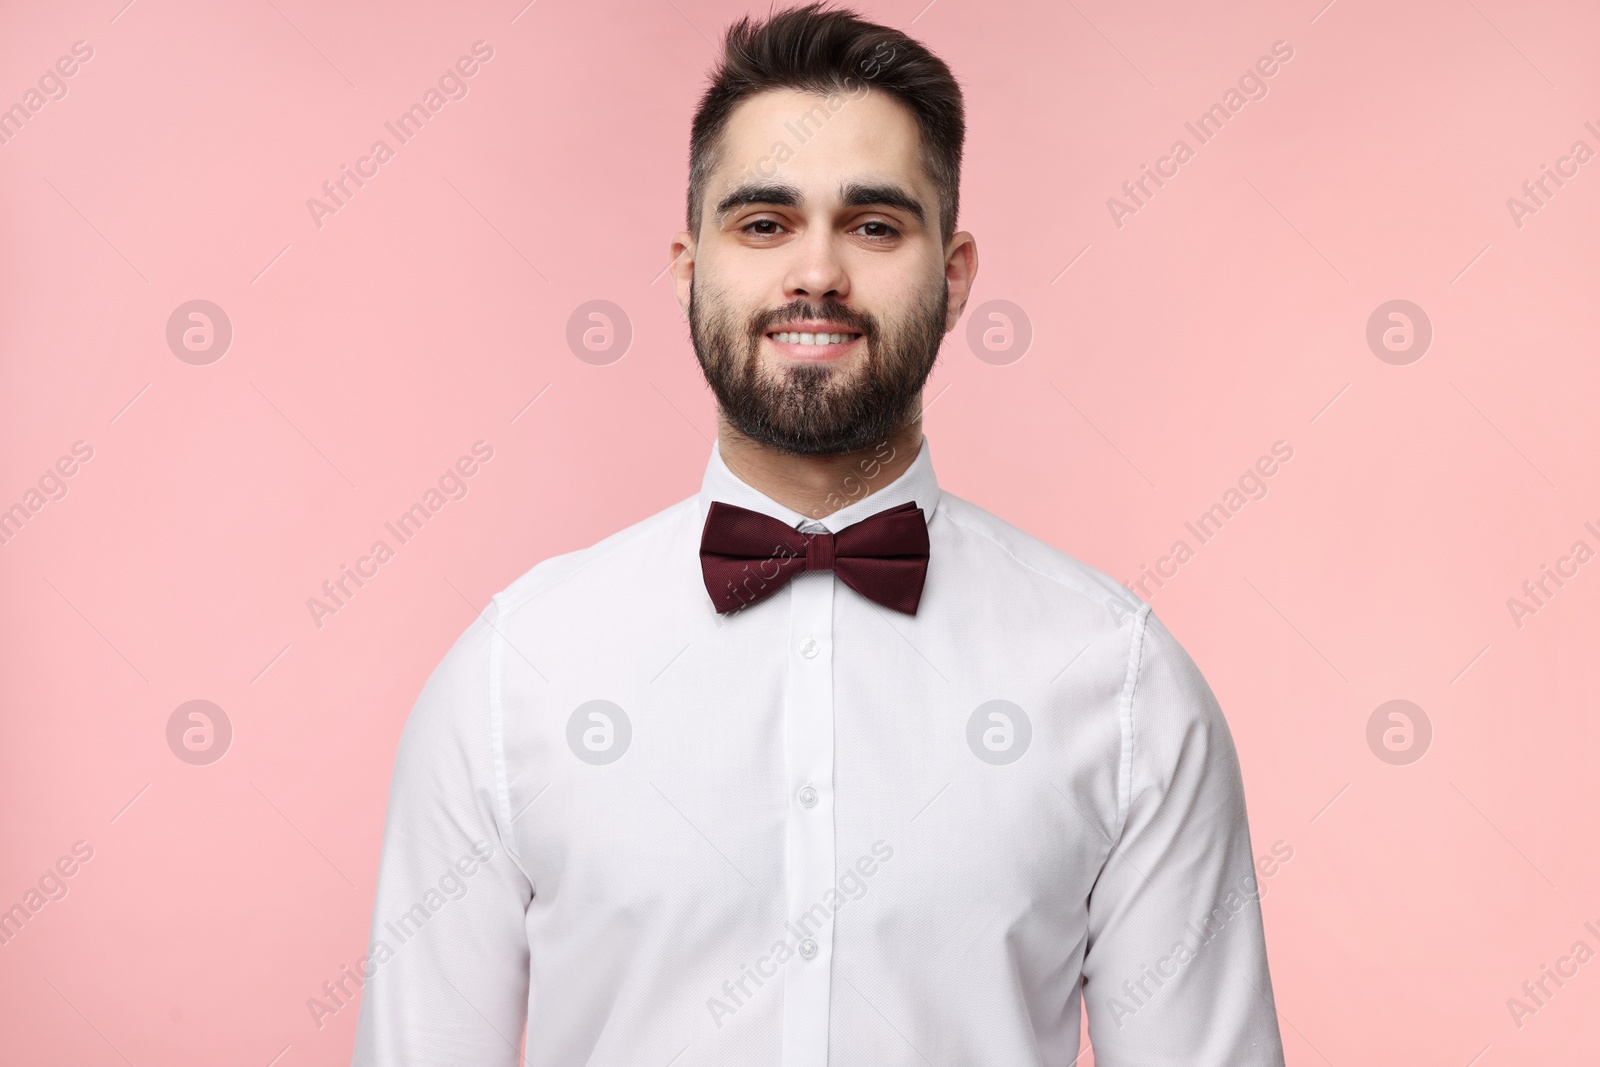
(746, 555)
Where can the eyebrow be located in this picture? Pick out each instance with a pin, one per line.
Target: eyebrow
(851, 194)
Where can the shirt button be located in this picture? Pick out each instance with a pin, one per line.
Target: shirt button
(808, 948)
(808, 796)
(808, 648)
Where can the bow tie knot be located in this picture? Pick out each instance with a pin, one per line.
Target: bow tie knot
(746, 556)
(819, 551)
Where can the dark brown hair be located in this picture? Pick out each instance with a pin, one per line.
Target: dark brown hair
(813, 49)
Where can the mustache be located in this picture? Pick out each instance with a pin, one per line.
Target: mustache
(830, 310)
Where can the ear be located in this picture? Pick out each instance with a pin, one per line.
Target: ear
(960, 268)
(682, 268)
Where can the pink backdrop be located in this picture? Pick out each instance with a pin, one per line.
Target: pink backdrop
(1119, 371)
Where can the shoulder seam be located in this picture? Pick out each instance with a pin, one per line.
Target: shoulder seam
(497, 746)
(1125, 718)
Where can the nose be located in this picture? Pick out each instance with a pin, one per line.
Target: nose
(817, 271)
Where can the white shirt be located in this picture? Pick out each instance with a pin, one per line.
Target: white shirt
(817, 832)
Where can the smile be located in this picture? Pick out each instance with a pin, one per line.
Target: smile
(793, 338)
(813, 345)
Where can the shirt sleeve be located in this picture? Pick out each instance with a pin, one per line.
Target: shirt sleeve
(1175, 970)
(446, 978)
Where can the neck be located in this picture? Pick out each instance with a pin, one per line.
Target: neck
(818, 486)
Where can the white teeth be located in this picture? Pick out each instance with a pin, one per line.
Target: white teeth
(793, 338)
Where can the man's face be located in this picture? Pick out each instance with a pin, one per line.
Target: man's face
(817, 296)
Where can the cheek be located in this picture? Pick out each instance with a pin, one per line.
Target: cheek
(730, 293)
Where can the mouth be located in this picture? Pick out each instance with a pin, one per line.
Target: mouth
(814, 345)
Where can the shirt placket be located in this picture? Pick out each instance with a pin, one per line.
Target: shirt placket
(809, 836)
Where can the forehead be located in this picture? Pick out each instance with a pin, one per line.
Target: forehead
(816, 141)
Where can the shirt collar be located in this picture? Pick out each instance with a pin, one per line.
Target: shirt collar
(916, 483)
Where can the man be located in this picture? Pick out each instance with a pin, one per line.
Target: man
(823, 765)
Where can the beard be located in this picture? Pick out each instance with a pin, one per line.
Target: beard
(818, 409)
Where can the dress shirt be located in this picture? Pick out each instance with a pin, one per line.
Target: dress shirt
(814, 831)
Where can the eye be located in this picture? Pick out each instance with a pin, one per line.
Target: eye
(878, 230)
(749, 228)
(887, 232)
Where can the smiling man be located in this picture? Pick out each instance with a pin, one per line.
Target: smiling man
(823, 766)
(818, 296)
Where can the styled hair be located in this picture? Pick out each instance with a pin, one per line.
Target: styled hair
(813, 49)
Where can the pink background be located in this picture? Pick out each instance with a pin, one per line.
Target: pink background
(368, 354)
